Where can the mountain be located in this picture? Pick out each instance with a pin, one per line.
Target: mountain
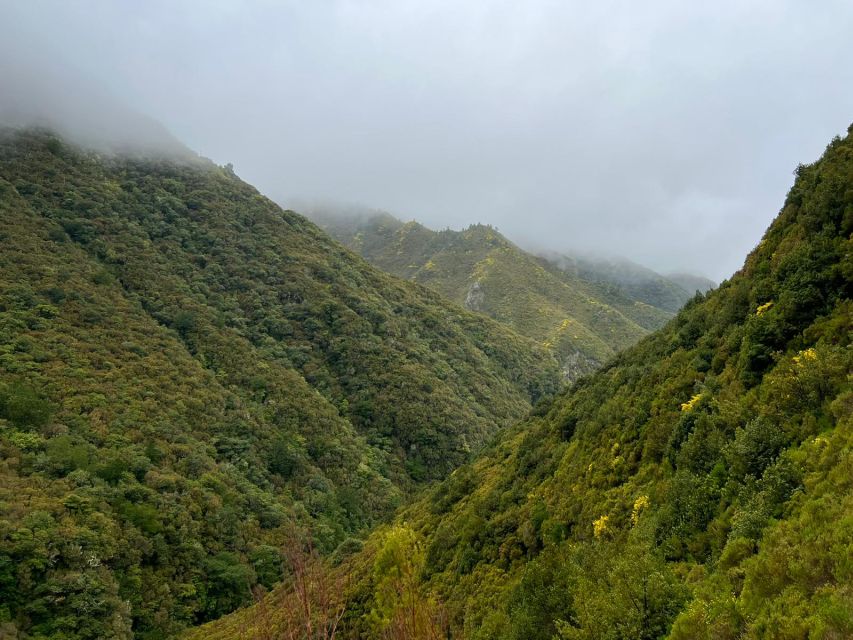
(698, 486)
(189, 373)
(636, 281)
(583, 319)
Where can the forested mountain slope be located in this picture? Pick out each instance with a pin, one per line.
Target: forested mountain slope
(698, 486)
(583, 320)
(635, 281)
(187, 373)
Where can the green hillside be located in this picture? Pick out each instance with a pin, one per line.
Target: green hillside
(188, 373)
(699, 486)
(583, 319)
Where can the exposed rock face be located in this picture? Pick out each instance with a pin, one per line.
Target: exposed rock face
(475, 297)
(576, 365)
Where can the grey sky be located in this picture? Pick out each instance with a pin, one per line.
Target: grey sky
(666, 132)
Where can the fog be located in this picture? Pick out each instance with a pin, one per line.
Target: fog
(664, 132)
(37, 91)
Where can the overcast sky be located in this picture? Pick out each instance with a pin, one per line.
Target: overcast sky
(666, 132)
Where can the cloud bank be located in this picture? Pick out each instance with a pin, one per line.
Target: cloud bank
(666, 132)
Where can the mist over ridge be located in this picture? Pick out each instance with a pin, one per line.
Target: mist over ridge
(663, 134)
(78, 109)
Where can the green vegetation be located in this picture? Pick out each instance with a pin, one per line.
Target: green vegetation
(698, 486)
(191, 379)
(188, 373)
(583, 315)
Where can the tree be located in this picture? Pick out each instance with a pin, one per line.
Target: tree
(308, 605)
(401, 610)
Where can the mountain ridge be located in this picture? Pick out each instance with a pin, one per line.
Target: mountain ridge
(582, 316)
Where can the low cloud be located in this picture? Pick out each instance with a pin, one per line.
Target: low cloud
(666, 132)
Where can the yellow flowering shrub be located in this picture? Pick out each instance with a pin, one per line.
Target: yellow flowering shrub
(687, 406)
(804, 356)
(764, 307)
(640, 504)
(599, 527)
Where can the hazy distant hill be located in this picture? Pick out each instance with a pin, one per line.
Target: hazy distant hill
(692, 283)
(187, 373)
(579, 310)
(636, 281)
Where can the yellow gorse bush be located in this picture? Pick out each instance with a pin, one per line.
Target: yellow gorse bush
(599, 527)
(640, 504)
(764, 307)
(687, 406)
(804, 356)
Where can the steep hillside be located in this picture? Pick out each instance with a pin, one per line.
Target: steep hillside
(637, 282)
(699, 486)
(188, 373)
(584, 321)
